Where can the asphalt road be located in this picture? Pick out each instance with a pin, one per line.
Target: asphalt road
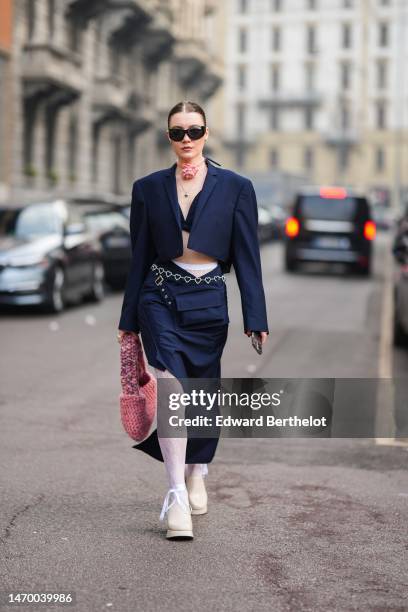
(293, 524)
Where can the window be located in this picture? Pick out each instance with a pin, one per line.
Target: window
(51, 128)
(308, 158)
(345, 75)
(348, 3)
(311, 39)
(241, 119)
(310, 76)
(241, 76)
(74, 38)
(242, 40)
(274, 119)
(309, 116)
(276, 5)
(242, 6)
(33, 220)
(72, 146)
(380, 115)
(346, 35)
(383, 34)
(51, 18)
(29, 118)
(275, 77)
(379, 159)
(276, 38)
(311, 4)
(345, 118)
(381, 74)
(274, 158)
(31, 14)
(95, 152)
(116, 151)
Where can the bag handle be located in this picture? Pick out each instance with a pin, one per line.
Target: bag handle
(144, 375)
(129, 364)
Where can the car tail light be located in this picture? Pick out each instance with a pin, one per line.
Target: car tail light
(333, 192)
(369, 230)
(292, 227)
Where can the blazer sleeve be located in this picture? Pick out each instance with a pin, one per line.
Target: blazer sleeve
(245, 257)
(143, 255)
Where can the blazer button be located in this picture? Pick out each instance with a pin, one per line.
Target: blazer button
(169, 302)
(165, 295)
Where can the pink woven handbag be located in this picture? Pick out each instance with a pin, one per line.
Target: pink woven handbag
(138, 399)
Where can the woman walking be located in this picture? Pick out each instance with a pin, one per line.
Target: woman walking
(189, 223)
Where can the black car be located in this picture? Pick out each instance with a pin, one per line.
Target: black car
(47, 256)
(400, 294)
(111, 228)
(330, 224)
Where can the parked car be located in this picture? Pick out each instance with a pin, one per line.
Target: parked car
(265, 224)
(330, 224)
(278, 218)
(111, 228)
(400, 294)
(383, 217)
(47, 256)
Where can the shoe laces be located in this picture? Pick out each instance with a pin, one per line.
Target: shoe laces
(176, 499)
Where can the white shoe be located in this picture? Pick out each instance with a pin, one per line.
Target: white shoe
(179, 523)
(197, 493)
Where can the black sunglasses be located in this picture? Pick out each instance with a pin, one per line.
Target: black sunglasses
(195, 132)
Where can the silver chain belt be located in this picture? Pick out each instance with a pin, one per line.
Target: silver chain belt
(187, 279)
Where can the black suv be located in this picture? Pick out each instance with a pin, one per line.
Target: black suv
(330, 224)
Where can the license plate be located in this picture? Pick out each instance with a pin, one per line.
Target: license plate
(332, 242)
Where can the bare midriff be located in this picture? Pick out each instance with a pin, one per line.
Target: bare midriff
(189, 255)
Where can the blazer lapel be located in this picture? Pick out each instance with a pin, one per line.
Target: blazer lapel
(171, 188)
(209, 183)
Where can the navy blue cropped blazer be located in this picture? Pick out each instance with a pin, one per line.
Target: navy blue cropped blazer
(224, 227)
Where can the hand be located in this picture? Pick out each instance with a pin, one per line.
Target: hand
(263, 334)
(122, 332)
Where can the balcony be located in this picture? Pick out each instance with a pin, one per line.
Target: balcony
(211, 78)
(51, 72)
(191, 59)
(85, 10)
(337, 137)
(127, 21)
(109, 93)
(157, 40)
(291, 100)
(113, 101)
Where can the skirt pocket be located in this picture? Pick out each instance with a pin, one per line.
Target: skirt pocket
(201, 308)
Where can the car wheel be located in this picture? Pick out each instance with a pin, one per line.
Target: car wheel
(291, 265)
(56, 300)
(97, 292)
(400, 337)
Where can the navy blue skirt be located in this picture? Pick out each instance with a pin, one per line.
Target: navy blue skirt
(184, 328)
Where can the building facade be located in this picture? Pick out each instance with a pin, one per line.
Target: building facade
(92, 82)
(5, 96)
(320, 88)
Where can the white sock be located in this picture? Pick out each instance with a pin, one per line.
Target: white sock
(173, 449)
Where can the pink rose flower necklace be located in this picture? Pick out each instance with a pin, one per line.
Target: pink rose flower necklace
(188, 172)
